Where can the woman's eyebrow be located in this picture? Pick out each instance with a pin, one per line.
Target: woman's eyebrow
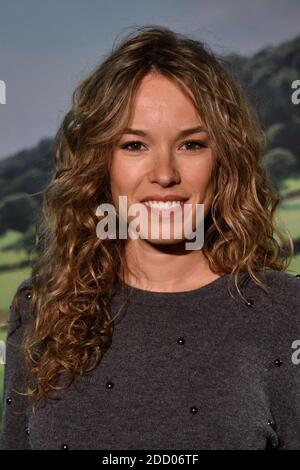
(183, 133)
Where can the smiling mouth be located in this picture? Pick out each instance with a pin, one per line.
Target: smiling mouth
(164, 207)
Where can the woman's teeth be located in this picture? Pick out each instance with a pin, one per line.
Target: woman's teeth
(163, 205)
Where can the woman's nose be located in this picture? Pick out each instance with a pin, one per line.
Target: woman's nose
(164, 170)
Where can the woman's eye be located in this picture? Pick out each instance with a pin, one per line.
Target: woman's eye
(136, 144)
(192, 143)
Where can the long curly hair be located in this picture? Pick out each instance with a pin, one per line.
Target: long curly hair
(75, 273)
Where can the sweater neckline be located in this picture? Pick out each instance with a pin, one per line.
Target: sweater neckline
(211, 287)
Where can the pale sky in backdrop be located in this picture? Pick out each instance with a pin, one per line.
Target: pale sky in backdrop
(47, 47)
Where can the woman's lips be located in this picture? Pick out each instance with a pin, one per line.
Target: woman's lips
(165, 210)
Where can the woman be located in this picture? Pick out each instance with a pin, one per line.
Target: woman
(141, 343)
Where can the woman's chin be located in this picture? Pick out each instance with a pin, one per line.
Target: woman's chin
(163, 240)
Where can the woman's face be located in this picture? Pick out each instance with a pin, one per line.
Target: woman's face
(157, 156)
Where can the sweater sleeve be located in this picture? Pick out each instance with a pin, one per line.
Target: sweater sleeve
(285, 370)
(14, 432)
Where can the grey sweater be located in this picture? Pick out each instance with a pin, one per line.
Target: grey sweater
(201, 369)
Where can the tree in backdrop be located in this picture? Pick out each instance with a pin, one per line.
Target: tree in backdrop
(280, 163)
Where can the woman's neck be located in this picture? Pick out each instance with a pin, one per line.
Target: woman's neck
(165, 268)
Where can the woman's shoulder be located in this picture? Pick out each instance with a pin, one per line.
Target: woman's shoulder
(285, 276)
(282, 282)
(20, 312)
(272, 318)
(278, 282)
(283, 293)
